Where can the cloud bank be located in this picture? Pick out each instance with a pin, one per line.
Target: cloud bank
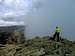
(12, 9)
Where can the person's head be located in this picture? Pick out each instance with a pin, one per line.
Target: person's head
(57, 26)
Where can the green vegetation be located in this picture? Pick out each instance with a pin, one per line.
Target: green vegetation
(39, 46)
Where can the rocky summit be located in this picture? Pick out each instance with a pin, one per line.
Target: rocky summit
(39, 46)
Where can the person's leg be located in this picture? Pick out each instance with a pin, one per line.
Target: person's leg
(54, 36)
(58, 37)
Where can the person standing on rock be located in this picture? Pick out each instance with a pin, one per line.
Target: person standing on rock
(56, 35)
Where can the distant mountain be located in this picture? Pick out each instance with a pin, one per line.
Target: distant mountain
(12, 28)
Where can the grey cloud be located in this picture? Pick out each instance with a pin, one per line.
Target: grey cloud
(42, 18)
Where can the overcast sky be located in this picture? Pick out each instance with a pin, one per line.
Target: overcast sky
(41, 16)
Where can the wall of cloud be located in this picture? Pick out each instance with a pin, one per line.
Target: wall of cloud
(18, 10)
(41, 16)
